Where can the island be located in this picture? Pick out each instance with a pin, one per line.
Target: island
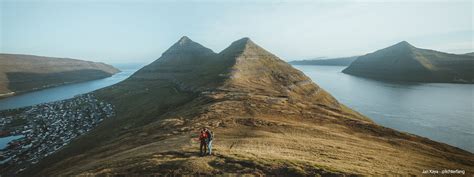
(342, 61)
(405, 62)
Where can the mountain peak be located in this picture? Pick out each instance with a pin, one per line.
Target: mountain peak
(401, 47)
(183, 52)
(184, 40)
(244, 42)
(246, 47)
(186, 45)
(404, 44)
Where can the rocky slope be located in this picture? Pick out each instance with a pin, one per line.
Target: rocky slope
(23, 73)
(343, 61)
(404, 62)
(268, 118)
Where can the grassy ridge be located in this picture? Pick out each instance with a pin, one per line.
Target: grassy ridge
(268, 119)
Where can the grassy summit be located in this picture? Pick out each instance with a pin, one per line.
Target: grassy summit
(23, 73)
(268, 118)
(404, 62)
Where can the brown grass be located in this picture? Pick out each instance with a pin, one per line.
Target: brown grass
(268, 118)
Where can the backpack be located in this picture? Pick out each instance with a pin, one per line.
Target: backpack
(210, 135)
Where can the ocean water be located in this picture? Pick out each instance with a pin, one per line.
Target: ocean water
(440, 111)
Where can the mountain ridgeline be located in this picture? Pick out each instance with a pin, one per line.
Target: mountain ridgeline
(268, 119)
(343, 61)
(470, 54)
(23, 73)
(404, 62)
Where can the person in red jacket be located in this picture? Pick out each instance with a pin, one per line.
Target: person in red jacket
(202, 139)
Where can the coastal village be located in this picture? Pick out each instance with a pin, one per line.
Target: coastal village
(48, 127)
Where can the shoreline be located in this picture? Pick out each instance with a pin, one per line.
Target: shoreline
(11, 94)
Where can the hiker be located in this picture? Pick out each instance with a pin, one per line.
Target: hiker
(203, 139)
(210, 137)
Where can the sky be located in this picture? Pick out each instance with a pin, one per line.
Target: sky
(120, 31)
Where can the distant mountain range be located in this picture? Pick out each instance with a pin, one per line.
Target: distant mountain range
(267, 117)
(470, 54)
(342, 61)
(404, 62)
(23, 73)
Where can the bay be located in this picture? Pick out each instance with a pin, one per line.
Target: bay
(440, 111)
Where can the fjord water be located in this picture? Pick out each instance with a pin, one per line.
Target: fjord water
(67, 91)
(63, 92)
(4, 140)
(440, 111)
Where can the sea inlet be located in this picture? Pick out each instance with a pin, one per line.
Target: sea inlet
(440, 111)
